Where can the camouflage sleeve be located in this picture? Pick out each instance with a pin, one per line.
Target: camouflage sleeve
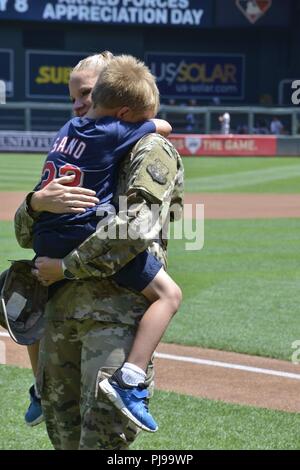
(176, 210)
(23, 222)
(150, 182)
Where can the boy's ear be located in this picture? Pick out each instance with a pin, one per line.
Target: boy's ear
(122, 113)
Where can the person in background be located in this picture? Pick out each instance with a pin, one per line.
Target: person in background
(224, 119)
(190, 118)
(276, 126)
(262, 127)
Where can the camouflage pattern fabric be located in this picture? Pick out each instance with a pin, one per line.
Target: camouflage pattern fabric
(87, 261)
(91, 322)
(23, 301)
(142, 190)
(23, 223)
(75, 355)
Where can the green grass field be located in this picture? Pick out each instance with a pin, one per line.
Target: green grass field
(242, 175)
(204, 424)
(20, 172)
(262, 175)
(240, 290)
(240, 294)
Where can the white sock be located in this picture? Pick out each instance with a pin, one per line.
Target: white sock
(132, 374)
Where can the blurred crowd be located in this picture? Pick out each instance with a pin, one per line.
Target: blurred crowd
(193, 122)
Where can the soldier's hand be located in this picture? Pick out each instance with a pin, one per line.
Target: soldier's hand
(59, 198)
(48, 270)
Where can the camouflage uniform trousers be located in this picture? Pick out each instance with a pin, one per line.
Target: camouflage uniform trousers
(76, 353)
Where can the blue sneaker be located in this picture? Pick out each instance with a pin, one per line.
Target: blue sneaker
(131, 401)
(34, 414)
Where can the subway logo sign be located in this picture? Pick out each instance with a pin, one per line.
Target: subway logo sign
(47, 73)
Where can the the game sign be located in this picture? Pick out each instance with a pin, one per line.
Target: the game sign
(133, 12)
(219, 145)
(47, 73)
(198, 75)
(7, 71)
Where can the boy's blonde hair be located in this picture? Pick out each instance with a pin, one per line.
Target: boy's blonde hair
(126, 81)
(95, 62)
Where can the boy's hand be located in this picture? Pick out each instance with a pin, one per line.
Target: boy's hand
(163, 127)
(48, 270)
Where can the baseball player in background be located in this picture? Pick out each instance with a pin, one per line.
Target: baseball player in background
(225, 123)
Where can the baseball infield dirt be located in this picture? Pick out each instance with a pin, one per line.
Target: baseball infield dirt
(216, 206)
(207, 373)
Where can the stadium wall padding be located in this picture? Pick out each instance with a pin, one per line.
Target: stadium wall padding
(193, 145)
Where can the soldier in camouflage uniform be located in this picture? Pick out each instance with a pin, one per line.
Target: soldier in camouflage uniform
(92, 322)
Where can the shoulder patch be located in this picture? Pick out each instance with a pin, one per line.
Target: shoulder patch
(158, 172)
(153, 170)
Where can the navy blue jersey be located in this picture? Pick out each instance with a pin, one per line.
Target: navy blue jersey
(92, 150)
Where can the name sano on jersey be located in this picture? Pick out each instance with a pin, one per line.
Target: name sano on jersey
(69, 146)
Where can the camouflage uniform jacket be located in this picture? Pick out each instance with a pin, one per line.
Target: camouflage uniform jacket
(153, 174)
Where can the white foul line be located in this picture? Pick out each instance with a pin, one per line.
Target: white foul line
(227, 365)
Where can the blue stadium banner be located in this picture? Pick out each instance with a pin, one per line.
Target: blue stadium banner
(198, 76)
(47, 73)
(197, 13)
(7, 70)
